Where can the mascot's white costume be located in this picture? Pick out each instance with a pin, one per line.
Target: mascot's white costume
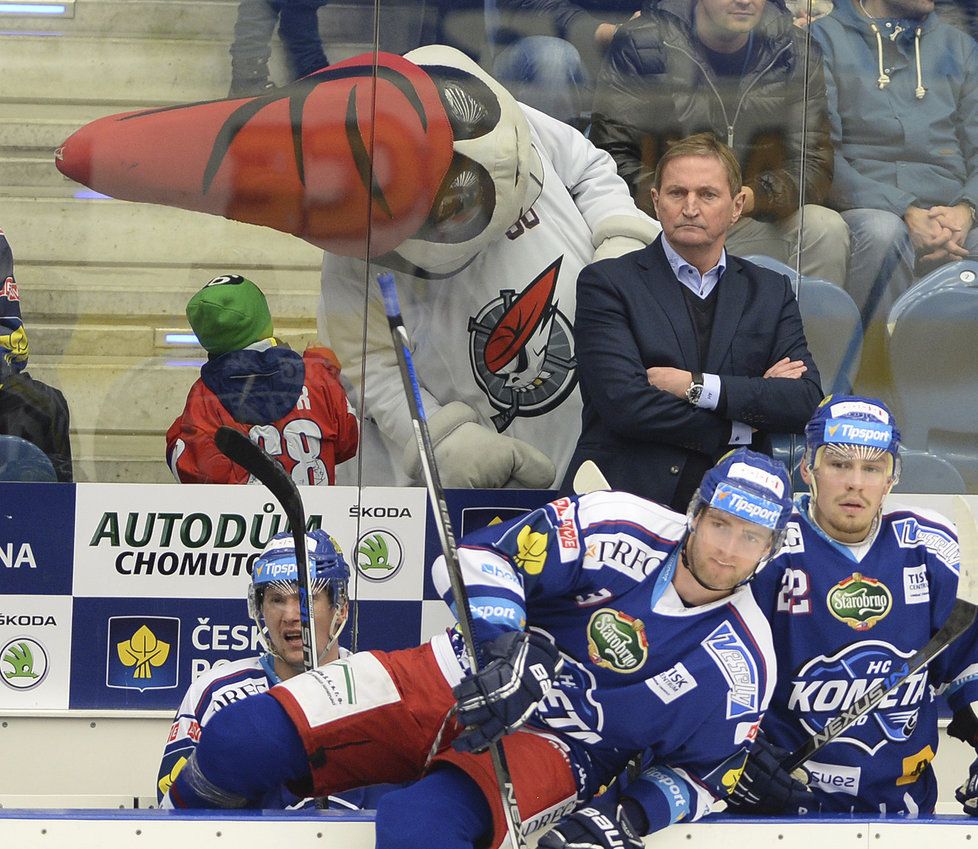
(487, 290)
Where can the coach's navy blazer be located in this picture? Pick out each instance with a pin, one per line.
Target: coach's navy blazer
(631, 315)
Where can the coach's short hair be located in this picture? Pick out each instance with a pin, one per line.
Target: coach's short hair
(702, 144)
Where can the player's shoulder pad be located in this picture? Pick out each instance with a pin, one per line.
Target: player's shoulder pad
(610, 507)
(921, 527)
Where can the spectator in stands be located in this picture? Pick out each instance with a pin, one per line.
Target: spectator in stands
(291, 405)
(29, 409)
(685, 351)
(903, 101)
(273, 604)
(554, 70)
(738, 69)
(298, 27)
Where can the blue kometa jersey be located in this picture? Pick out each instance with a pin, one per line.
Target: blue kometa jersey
(844, 617)
(643, 673)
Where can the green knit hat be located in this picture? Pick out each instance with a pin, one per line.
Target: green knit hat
(229, 314)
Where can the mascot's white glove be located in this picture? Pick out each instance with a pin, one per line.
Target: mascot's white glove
(621, 234)
(470, 455)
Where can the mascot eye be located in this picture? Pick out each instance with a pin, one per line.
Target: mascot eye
(472, 107)
(464, 204)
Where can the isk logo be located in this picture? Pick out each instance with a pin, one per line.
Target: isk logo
(521, 348)
(142, 652)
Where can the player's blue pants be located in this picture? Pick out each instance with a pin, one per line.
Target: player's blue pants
(445, 809)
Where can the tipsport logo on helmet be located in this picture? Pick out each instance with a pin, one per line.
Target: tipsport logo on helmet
(272, 571)
(142, 652)
(745, 505)
(851, 432)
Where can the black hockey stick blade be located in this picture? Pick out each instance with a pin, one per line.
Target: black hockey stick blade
(958, 621)
(256, 461)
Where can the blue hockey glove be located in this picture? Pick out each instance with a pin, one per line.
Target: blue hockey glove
(766, 788)
(603, 824)
(967, 793)
(519, 671)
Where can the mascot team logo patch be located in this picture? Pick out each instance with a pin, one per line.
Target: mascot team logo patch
(617, 641)
(859, 601)
(521, 348)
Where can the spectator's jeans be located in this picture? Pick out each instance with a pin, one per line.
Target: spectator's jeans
(298, 28)
(824, 246)
(882, 264)
(546, 73)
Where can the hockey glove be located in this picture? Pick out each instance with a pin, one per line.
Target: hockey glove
(766, 788)
(964, 726)
(519, 671)
(603, 824)
(470, 455)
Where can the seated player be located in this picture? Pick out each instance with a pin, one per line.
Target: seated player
(853, 594)
(566, 602)
(273, 603)
(291, 405)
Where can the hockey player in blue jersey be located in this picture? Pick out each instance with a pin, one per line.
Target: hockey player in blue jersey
(607, 626)
(273, 605)
(853, 593)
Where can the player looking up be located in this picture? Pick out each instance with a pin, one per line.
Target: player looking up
(855, 591)
(273, 604)
(606, 625)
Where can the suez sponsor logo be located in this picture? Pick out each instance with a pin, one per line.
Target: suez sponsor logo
(910, 533)
(141, 535)
(834, 778)
(13, 556)
(738, 667)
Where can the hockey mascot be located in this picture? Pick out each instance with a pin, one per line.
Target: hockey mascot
(485, 209)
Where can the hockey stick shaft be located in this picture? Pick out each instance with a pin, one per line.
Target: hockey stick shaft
(253, 459)
(960, 618)
(446, 535)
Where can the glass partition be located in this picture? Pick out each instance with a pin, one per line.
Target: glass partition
(104, 283)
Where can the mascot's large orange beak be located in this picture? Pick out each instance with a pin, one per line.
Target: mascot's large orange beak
(325, 158)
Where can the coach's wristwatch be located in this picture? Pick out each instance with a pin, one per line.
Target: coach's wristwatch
(695, 391)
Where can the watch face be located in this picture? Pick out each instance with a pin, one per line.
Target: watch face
(693, 393)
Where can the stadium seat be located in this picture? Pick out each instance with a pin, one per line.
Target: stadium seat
(927, 473)
(832, 325)
(933, 330)
(21, 460)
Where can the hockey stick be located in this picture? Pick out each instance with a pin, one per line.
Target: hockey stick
(589, 478)
(253, 459)
(958, 621)
(443, 523)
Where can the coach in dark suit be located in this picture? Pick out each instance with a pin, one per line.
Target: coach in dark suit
(685, 352)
